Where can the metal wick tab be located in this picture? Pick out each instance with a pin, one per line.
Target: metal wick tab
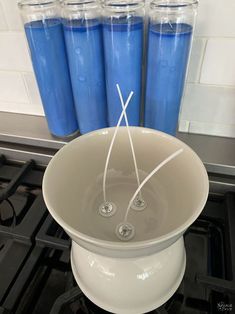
(139, 204)
(107, 209)
(125, 231)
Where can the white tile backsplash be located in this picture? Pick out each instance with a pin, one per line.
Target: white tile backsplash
(32, 88)
(3, 23)
(14, 53)
(12, 14)
(184, 125)
(209, 104)
(196, 59)
(25, 108)
(225, 130)
(208, 110)
(17, 92)
(216, 18)
(219, 62)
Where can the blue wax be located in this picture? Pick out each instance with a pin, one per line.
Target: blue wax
(86, 62)
(48, 53)
(168, 52)
(123, 45)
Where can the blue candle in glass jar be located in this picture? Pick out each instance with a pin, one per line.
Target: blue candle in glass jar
(169, 43)
(123, 45)
(46, 43)
(168, 52)
(85, 54)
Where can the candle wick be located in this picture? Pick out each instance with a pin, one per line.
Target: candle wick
(130, 140)
(156, 169)
(111, 144)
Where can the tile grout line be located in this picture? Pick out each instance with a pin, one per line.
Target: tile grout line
(212, 85)
(26, 87)
(202, 60)
(2, 70)
(213, 124)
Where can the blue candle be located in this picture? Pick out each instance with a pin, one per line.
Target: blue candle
(85, 54)
(123, 44)
(168, 52)
(46, 43)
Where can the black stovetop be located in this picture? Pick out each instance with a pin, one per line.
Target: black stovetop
(35, 272)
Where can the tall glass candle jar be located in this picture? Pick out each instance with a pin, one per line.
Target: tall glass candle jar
(123, 28)
(45, 37)
(170, 32)
(83, 36)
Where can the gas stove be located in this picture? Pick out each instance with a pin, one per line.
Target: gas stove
(35, 272)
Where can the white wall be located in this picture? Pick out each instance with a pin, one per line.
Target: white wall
(18, 88)
(209, 103)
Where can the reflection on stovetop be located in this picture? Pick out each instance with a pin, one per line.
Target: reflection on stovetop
(35, 272)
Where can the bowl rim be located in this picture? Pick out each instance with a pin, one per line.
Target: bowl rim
(115, 245)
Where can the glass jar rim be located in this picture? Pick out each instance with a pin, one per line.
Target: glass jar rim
(120, 4)
(74, 5)
(161, 4)
(33, 3)
(77, 2)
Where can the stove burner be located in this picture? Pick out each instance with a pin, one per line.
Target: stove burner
(35, 272)
(7, 213)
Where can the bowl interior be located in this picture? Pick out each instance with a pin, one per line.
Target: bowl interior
(175, 195)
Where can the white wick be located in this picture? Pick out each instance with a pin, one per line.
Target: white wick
(111, 144)
(158, 167)
(130, 139)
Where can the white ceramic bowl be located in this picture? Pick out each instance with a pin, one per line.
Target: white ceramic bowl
(139, 275)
